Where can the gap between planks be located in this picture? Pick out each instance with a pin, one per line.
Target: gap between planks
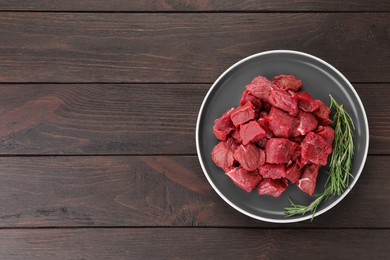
(190, 12)
(148, 83)
(105, 155)
(193, 227)
(124, 155)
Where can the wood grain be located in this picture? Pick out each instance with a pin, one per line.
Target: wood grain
(99, 119)
(129, 119)
(376, 100)
(154, 191)
(104, 47)
(199, 5)
(103, 200)
(194, 244)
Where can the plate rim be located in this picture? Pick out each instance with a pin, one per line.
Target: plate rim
(287, 220)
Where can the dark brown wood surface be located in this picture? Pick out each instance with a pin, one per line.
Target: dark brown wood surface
(99, 119)
(129, 119)
(197, 5)
(98, 105)
(154, 191)
(199, 243)
(194, 47)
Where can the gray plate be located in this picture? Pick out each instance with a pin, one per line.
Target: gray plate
(319, 79)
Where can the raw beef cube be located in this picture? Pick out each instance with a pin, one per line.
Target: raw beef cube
(266, 106)
(284, 101)
(307, 182)
(263, 114)
(262, 158)
(249, 156)
(263, 120)
(323, 113)
(232, 144)
(273, 171)
(327, 133)
(297, 139)
(280, 150)
(272, 187)
(246, 180)
(264, 123)
(307, 123)
(315, 149)
(262, 142)
(222, 156)
(306, 102)
(247, 96)
(223, 125)
(260, 87)
(301, 162)
(251, 132)
(293, 173)
(236, 135)
(281, 123)
(287, 82)
(242, 114)
(268, 133)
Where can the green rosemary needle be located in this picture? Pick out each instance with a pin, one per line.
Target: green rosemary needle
(340, 163)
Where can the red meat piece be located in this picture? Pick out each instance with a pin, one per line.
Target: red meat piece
(262, 158)
(323, 113)
(236, 135)
(272, 187)
(327, 133)
(281, 150)
(246, 180)
(306, 102)
(260, 87)
(262, 143)
(287, 82)
(315, 149)
(251, 132)
(300, 161)
(273, 171)
(293, 173)
(242, 114)
(284, 101)
(232, 144)
(297, 139)
(281, 123)
(223, 125)
(264, 123)
(266, 107)
(249, 156)
(222, 156)
(307, 182)
(247, 96)
(307, 123)
(263, 114)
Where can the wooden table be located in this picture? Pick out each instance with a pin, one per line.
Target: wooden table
(98, 103)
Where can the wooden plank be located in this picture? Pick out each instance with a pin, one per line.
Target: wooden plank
(104, 47)
(129, 119)
(376, 100)
(154, 191)
(199, 5)
(197, 243)
(99, 119)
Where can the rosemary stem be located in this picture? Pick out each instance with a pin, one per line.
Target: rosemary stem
(340, 162)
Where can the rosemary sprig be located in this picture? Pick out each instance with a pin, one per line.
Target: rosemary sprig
(340, 163)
